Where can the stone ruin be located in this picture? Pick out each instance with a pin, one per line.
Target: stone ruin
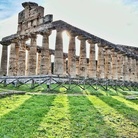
(115, 62)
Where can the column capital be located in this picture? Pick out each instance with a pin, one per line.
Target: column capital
(80, 37)
(71, 33)
(33, 35)
(107, 47)
(90, 41)
(23, 37)
(5, 43)
(59, 29)
(46, 33)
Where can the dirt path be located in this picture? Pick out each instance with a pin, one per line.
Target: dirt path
(48, 94)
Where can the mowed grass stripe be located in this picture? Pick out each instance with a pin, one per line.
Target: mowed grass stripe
(56, 123)
(8, 104)
(86, 120)
(128, 112)
(126, 102)
(113, 118)
(24, 120)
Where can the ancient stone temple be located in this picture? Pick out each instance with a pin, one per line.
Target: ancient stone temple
(114, 62)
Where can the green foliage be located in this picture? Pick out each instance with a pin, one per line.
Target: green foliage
(79, 113)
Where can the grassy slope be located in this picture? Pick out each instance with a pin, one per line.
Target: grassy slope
(97, 114)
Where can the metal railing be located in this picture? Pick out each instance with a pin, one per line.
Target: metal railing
(67, 82)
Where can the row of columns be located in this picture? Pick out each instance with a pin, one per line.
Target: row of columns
(111, 64)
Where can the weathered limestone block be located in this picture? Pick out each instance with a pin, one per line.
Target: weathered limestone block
(13, 59)
(45, 56)
(58, 63)
(30, 16)
(21, 60)
(92, 61)
(32, 56)
(3, 70)
(126, 69)
(82, 59)
(114, 65)
(120, 66)
(72, 56)
(100, 63)
(108, 61)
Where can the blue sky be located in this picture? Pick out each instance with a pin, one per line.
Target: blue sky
(113, 20)
(10, 7)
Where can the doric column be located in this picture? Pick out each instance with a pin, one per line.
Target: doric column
(77, 66)
(130, 68)
(38, 63)
(58, 62)
(82, 59)
(100, 63)
(50, 67)
(27, 60)
(32, 56)
(108, 61)
(22, 57)
(126, 69)
(133, 72)
(13, 59)
(92, 61)
(45, 56)
(72, 56)
(3, 70)
(65, 65)
(120, 66)
(114, 65)
(136, 70)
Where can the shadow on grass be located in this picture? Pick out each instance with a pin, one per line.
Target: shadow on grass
(93, 91)
(23, 121)
(86, 121)
(126, 111)
(134, 101)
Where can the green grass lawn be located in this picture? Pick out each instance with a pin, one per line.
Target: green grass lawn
(78, 114)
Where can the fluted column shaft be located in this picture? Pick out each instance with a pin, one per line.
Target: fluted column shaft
(72, 56)
(133, 70)
(38, 65)
(136, 70)
(21, 60)
(58, 62)
(92, 61)
(32, 56)
(45, 56)
(65, 65)
(3, 70)
(100, 63)
(130, 68)
(114, 65)
(126, 69)
(50, 68)
(120, 66)
(13, 59)
(77, 66)
(82, 59)
(108, 62)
